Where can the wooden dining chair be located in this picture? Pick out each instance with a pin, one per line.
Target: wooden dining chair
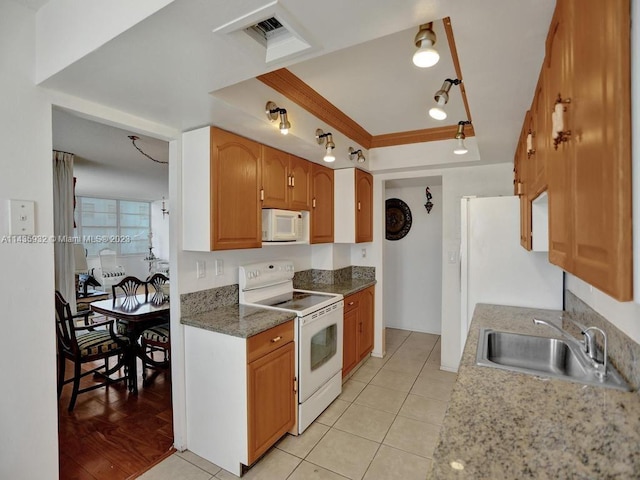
(129, 287)
(83, 344)
(156, 338)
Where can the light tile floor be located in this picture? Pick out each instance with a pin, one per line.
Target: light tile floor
(384, 425)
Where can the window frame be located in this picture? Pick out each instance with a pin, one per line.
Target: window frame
(117, 243)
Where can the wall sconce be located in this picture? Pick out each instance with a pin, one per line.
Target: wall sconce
(165, 211)
(426, 55)
(460, 148)
(442, 97)
(358, 153)
(273, 112)
(326, 139)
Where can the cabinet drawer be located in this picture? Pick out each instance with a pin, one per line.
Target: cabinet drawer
(351, 302)
(269, 340)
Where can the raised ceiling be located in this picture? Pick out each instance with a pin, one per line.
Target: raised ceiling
(170, 67)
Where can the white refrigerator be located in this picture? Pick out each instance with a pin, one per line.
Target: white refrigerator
(495, 268)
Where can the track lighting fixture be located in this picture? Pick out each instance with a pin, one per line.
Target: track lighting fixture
(426, 55)
(357, 153)
(460, 148)
(273, 112)
(327, 140)
(442, 97)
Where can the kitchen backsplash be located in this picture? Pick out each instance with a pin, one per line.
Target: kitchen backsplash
(206, 300)
(623, 352)
(334, 276)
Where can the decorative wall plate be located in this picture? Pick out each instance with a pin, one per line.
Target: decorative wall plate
(398, 217)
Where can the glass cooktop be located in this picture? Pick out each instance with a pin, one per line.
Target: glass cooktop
(298, 301)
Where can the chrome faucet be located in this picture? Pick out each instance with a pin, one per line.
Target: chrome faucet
(587, 347)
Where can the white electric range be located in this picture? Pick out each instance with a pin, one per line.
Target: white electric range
(318, 331)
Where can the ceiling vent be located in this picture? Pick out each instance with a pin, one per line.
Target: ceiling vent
(273, 28)
(265, 30)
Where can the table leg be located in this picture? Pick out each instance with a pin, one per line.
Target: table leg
(132, 381)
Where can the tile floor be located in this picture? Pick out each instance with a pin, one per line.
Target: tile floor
(384, 425)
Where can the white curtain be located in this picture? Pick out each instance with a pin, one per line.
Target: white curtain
(63, 225)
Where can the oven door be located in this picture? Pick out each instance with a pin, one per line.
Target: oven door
(319, 348)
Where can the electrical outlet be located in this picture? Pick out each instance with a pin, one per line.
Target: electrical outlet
(364, 253)
(219, 266)
(201, 269)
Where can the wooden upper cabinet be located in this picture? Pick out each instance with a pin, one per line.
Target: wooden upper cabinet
(589, 171)
(275, 178)
(235, 191)
(286, 180)
(353, 216)
(364, 206)
(601, 138)
(537, 144)
(221, 175)
(321, 204)
(300, 171)
(557, 67)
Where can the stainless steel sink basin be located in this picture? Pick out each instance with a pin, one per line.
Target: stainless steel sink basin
(541, 356)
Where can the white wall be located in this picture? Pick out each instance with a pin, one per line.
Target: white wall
(413, 265)
(28, 422)
(67, 30)
(160, 229)
(487, 180)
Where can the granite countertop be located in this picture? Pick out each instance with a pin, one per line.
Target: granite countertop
(244, 321)
(344, 288)
(508, 425)
(238, 320)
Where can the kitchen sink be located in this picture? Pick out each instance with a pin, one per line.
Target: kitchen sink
(542, 356)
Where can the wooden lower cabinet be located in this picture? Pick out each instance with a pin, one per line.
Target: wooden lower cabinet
(350, 334)
(358, 328)
(240, 393)
(271, 399)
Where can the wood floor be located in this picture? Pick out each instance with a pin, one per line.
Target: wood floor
(112, 435)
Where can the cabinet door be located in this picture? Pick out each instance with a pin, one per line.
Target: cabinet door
(271, 399)
(558, 64)
(236, 208)
(601, 138)
(300, 191)
(523, 184)
(366, 321)
(321, 204)
(539, 127)
(275, 178)
(364, 206)
(349, 336)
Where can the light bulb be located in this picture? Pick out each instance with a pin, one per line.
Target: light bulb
(460, 148)
(284, 131)
(329, 157)
(426, 55)
(437, 113)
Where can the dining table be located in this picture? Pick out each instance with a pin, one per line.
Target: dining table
(137, 313)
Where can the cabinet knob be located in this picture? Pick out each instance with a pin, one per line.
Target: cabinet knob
(262, 194)
(293, 181)
(276, 339)
(313, 203)
(351, 303)
(359, 206)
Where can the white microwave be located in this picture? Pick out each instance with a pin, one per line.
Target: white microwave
(281, 225)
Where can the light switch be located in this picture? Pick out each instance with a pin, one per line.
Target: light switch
(219, 266)
(22, 214)
(201, 269)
